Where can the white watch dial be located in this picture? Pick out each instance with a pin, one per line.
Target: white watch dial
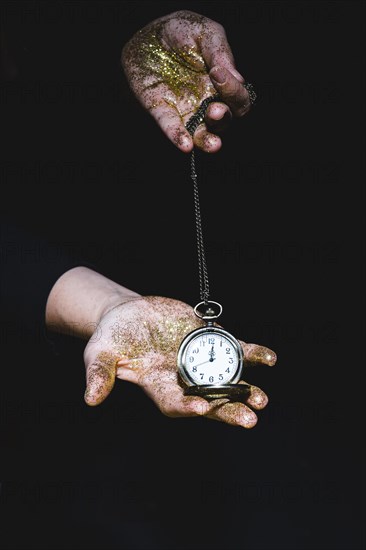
(210, 358)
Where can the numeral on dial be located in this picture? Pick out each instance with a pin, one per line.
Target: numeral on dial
(211, 358)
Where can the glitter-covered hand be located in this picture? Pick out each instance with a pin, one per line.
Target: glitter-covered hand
(173, 64)
(138, 342)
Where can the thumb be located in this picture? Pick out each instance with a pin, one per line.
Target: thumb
(100, 377)
(231, 90)
(216, 50)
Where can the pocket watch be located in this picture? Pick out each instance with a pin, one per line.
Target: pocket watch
(210, 359)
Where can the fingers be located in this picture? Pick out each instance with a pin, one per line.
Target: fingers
(222, 71)
(173, 127)
(161, 385)
(218, 117)
(126, 370)
(181, 405)
(258, 355)
(236, 414)
(231, 90)
(257, 398)
(216, 50)
(206, 141)
(162, 388)
(100, 378)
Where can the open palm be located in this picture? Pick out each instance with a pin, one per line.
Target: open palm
(138, 342)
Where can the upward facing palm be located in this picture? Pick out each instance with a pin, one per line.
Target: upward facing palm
(138, 342)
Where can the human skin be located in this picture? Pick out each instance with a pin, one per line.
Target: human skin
(136, 339)
(173, 64)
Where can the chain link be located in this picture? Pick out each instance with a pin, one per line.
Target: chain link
(191, 126)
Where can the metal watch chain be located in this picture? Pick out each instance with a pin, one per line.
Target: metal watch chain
(231, 388)
(191, 126)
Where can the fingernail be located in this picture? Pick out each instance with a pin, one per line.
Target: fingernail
(218, 75)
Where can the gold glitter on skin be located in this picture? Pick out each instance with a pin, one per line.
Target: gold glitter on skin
(257, 399)
(259, 354)
(153, 324)
(232, 413)
(101, 376)
(159, 72)
(143, 337)
(170, 67)
(177, 61)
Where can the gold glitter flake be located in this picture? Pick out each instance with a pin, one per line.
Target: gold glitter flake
(154, 63)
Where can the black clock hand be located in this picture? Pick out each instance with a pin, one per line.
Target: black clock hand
(211, 354)
(204, 362)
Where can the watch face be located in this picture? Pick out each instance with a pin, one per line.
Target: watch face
(210, 356)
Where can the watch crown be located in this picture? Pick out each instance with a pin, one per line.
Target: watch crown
(212, 310)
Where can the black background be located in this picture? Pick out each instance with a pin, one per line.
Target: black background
(283, 210)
